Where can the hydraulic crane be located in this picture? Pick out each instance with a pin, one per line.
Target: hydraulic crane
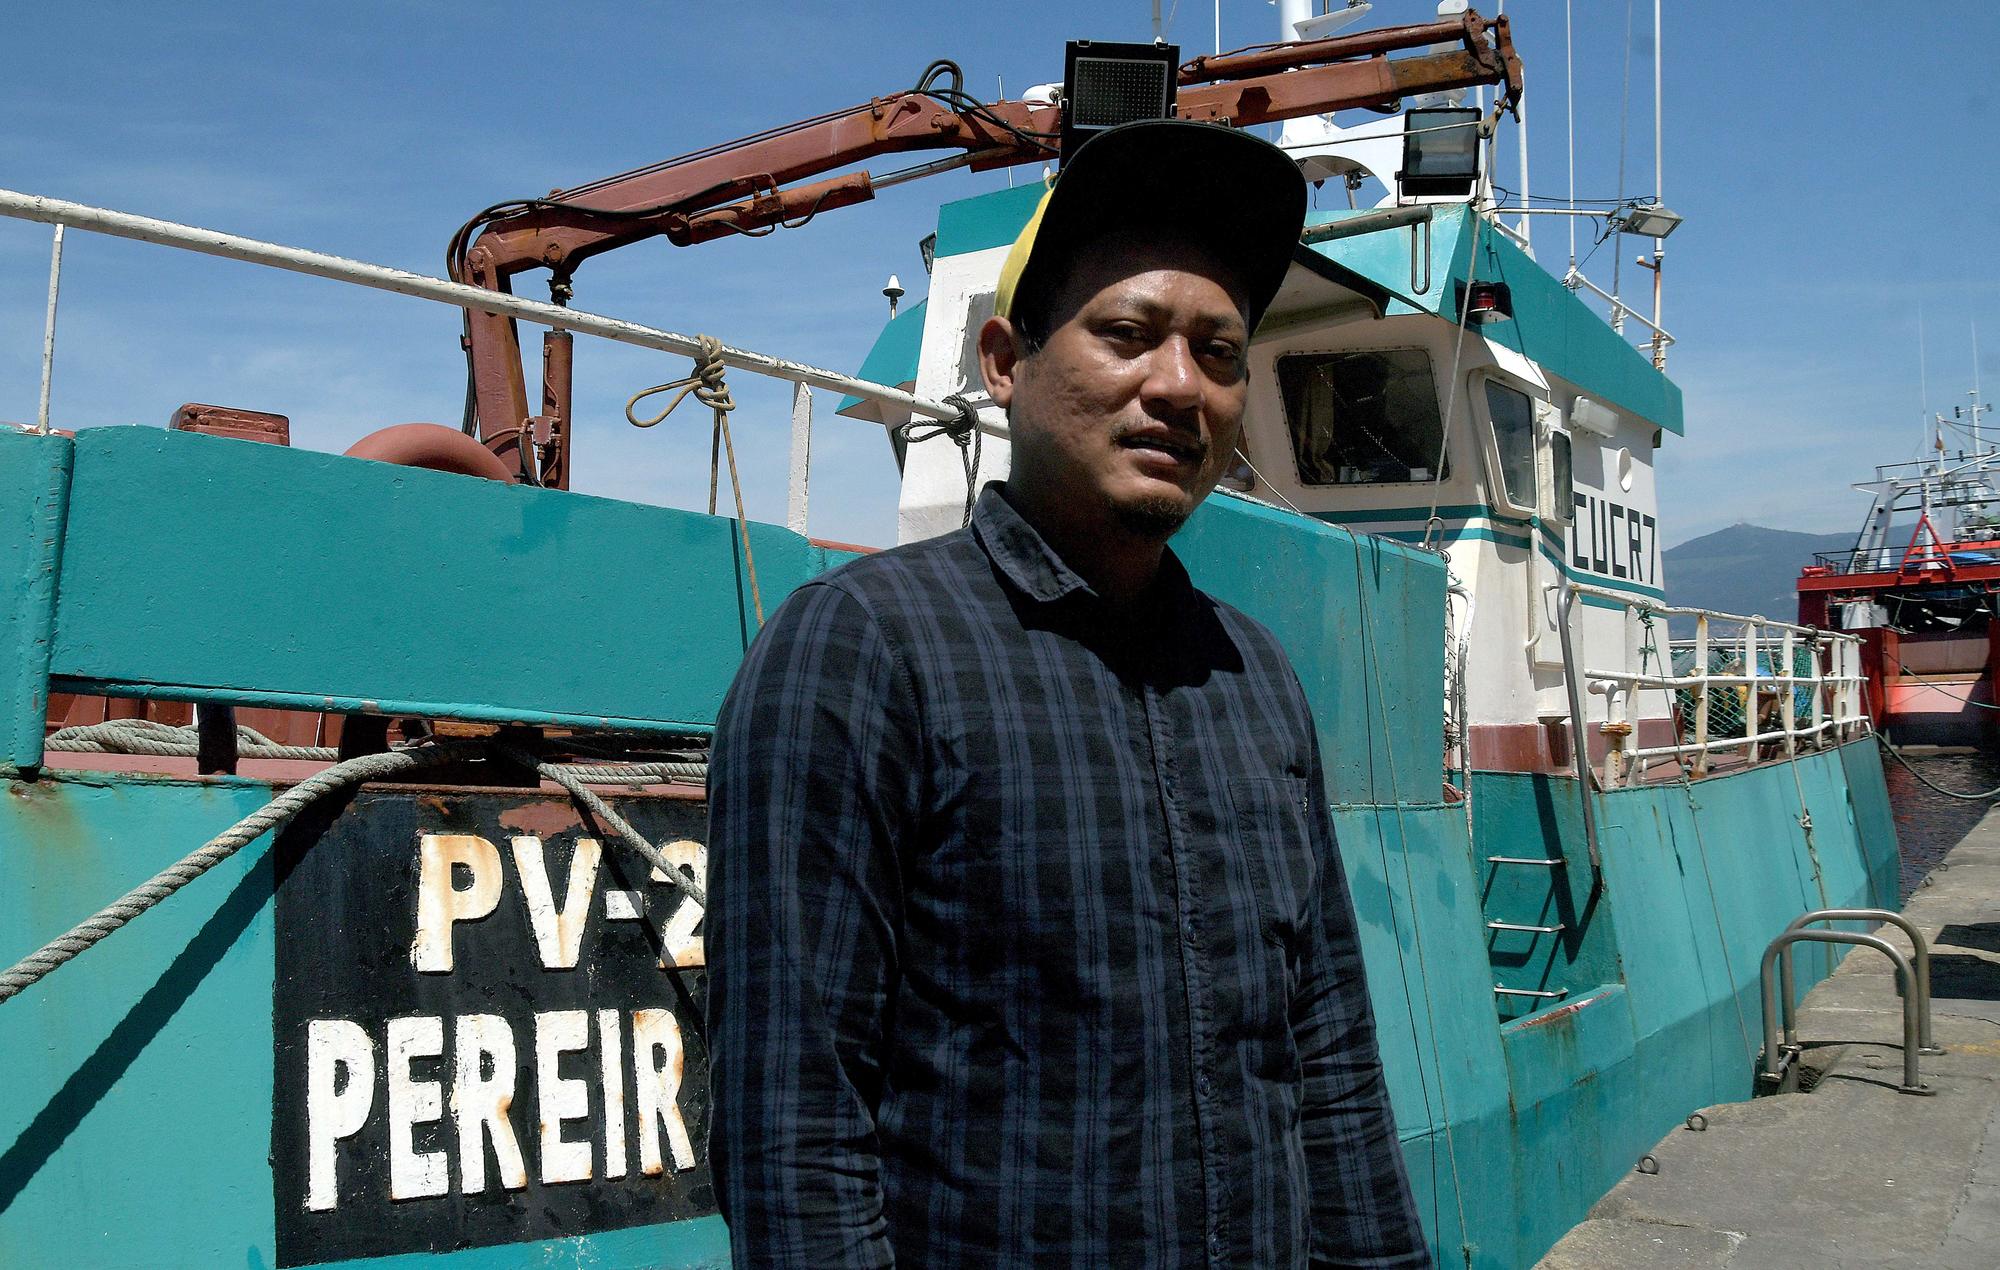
(776, 178)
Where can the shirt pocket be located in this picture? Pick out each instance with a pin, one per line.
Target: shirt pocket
(1269, 816)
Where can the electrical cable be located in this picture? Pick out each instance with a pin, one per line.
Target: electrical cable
(1634, 200)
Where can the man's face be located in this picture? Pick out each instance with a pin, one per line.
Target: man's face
(1131, 409)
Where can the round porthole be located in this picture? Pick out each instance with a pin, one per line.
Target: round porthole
(1624, 469)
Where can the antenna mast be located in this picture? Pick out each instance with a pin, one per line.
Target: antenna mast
(1977, 405)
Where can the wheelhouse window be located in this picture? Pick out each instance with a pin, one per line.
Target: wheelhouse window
(1561, 478)
(1513, 415)
(1363, 418)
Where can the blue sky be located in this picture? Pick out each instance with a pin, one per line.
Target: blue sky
(1837, 165)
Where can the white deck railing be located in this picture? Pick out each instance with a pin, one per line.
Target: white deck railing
(1751, 685)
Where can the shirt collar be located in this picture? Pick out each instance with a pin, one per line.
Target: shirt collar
(1034, 567)
(1020, 552)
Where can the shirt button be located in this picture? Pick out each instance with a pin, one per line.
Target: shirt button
(1203, 1085)
(1188, 930)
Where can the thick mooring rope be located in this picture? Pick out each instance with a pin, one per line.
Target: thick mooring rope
(585, 796)
(149, 736)
(39, 964)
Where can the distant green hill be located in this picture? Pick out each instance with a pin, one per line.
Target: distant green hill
(1744, 569)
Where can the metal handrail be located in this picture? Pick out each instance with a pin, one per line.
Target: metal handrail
(1831, 685)
(59, 212)
(1574, 279)
(1713, 615)
(1773, 1069)
(1920, 961)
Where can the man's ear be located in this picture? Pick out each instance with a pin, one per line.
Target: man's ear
(1000, 357)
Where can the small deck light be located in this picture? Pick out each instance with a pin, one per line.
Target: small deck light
(894, 292)
(1646, 220)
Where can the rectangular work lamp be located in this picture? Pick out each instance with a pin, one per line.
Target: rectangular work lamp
(1105, 85)
(1440, 152)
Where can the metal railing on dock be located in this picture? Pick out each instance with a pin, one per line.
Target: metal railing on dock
(1742, 683)
(1914, 976)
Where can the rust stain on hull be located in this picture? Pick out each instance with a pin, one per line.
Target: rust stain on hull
(541, 818)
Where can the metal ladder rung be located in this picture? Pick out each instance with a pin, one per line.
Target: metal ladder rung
(1555, 995)
(1539, 930)
(1516, 859)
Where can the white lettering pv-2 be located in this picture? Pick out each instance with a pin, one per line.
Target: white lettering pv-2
(440, 1087)
(558, 929)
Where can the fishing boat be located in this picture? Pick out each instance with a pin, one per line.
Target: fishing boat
(418, 979)
(1924, 604)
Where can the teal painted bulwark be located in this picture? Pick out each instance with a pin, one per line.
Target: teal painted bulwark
(203, 567)
(136, 1122)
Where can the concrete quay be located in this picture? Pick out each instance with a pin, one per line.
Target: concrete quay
(1854, 1173)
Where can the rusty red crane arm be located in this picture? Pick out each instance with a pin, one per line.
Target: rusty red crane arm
(757, 183)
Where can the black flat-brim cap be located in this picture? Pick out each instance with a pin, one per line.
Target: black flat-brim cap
(1235, 195)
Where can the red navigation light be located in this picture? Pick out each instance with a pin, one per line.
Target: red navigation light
(1487, 302)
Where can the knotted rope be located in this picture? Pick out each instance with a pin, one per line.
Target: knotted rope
(964, 433)
(707, 384)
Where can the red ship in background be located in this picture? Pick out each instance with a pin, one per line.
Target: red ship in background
(1922, 592)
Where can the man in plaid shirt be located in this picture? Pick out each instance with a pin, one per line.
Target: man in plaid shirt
(1028, 938)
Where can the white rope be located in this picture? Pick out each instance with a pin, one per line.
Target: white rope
(1433, 524)
(616, 823)
(144, 736)
(279, 811)
(148, 736)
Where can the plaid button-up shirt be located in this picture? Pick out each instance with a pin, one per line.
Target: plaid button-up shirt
(1027, 940)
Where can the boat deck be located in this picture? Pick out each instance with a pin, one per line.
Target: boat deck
(1854, 1173)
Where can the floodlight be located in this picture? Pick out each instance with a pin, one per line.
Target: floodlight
(1105, 85)
(1647, 220)
(1440, 152)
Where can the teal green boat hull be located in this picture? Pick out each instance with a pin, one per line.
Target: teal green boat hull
(136, 1126)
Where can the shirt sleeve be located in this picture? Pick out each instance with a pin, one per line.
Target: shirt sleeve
(813, 787)
(1362, 1212)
